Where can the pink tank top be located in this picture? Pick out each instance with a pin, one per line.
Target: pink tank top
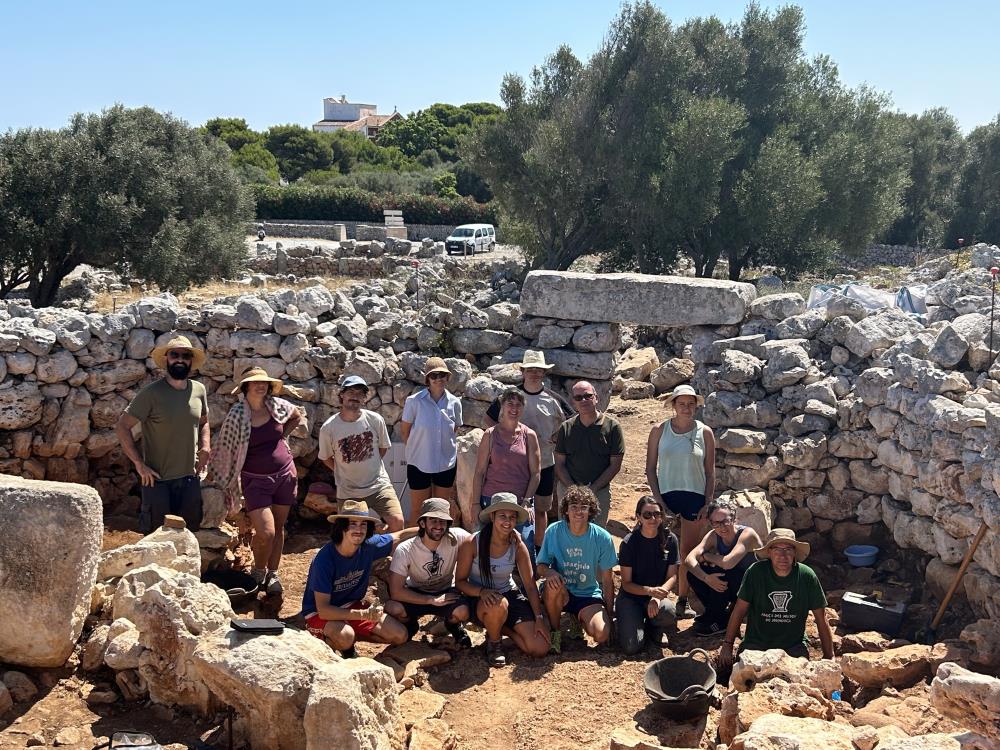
(508, 468)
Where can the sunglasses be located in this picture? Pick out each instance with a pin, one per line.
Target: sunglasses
(438, 376)
(183, 356)
(650, 514)
(584, 396)
(720, 524)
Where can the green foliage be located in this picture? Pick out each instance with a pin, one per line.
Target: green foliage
(412, 135)
(128, 189)
(234, 131)
(977, 214)
(255, 155)
(352, 204)
(298, 150)
(445, 184)
(709, 140)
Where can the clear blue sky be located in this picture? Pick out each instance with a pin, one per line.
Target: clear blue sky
(274, 62)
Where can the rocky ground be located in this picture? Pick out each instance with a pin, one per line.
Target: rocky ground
(579, 699)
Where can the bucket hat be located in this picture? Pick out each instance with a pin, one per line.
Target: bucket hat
(356, 509)
(784, 536)
(435, 364)
(259, 375)
(159, 354)
(436, 507)
(532, 358)
(503, 501)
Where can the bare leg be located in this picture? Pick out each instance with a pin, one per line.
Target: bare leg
(339, 635)
(528, 640)
(492, 618)
(389, 630)
(541, 520)
(279, 514)
(417, 498)
(596, 622)
(691, 533)
(554, 601)
(263, 536)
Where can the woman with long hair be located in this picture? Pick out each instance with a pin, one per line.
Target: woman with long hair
(251, 457)
(648, 560)
(486, 564)
(680, 469)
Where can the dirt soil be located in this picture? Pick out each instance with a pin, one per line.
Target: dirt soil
(574, 700)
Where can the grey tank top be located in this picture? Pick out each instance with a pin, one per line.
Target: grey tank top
(501, 569)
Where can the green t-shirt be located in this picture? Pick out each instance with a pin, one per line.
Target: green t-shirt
(588, 450)
(778, 606)
(170, 419)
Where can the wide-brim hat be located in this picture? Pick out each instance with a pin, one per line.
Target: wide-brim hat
(435, 364)
(532, 359)
(682, 390)
(159, 354)
(435, 507)
(503, 501)
(356, 509)
(259, 375)
(784, 536)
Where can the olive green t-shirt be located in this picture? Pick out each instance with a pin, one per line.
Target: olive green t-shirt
(588, 449)
(170, 419)
(778, 606)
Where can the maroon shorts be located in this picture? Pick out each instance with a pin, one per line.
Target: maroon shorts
(362, 628)
(264, 490)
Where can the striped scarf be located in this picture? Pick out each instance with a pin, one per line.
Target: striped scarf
(229, 448)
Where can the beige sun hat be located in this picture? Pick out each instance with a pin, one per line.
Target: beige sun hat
(259, 375)
(682, 390)
(435, 364)
(435, 507)
(503, 501)
(159, 354)
(356, 509)
(784, 536)
(533, 359)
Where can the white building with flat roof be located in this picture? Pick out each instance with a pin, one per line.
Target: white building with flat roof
(340, 114)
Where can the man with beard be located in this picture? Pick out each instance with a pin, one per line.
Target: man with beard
(422, 574)
(176, 442)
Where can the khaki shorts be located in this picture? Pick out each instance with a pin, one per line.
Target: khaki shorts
(384, 502)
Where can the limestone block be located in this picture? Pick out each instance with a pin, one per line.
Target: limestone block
(984, 637)
(832, 506)
(114, 376)
(900, 667)
(739, 367)
(503, 316)
(867, 478)
(970, 698)
(480, 341)
(432, 734)
(778, 306)
(597, 337)
(468, 447)
(20, 406)
(754, 667)
(253, 313)
(880, 331)
(740, 710)
(554, 337)
(671, 373)
(569, 364)
(804, 452)
(123, 650)
(738, 440)
(873, 385)
(804, 325)
(415, 705)
(635, 298)
(19, 363)
(44, 597)
(715, 348)
(254, 343)
(56, 367)
(158, 313)
(786, 364)
(637, 364)
(112, 326)
(353, 704)
(636, 389)
(774, 731)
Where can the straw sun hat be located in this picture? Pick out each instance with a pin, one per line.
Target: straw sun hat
(784, 536)
(682, 390)
(355, 509)
(159, 354)
(259, 375)
(532, 359)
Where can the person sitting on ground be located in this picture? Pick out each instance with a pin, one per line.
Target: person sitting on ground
(716, 566)
(486, 563)
(422, 574)
(648, 560)
(776, 596)
(252, 459)
(575, 565)
(333, 603)
(352, 444)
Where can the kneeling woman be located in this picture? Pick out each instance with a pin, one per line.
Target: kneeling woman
(486, 563)
(648, 561)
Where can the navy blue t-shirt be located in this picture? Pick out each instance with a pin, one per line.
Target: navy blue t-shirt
(648, 562)
(345, 579)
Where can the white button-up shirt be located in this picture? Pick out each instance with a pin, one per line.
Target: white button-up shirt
(432, 445)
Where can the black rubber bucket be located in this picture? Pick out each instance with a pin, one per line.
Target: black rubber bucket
(240, 587)
(681, 687)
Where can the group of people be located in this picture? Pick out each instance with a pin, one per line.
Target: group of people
(525, 565)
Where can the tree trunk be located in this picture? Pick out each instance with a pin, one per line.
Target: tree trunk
(44, 288)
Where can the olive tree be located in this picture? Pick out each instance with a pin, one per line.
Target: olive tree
(132, 190)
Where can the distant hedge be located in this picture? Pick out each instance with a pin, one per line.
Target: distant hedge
(352, 204)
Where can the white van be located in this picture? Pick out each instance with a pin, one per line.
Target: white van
(469, 239)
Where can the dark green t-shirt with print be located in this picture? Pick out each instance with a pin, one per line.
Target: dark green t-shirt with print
(778, 606)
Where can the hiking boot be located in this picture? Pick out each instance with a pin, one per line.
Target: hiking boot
(494, 654)
(706, 629)
(555, 642)
(457, 632)
(272, 584)
(575, 629)
(681, 609)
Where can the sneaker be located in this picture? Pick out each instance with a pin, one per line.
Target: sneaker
(494, 654)
(706, 629)
(259, 575)
(272, 584)
(458, 633)
(575, 630)
(349, 653)
(682, 607)
(555, 642)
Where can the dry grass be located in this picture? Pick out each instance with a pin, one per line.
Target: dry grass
(110, 302)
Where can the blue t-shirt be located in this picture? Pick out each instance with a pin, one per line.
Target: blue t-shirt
(345, 579)
(578, 558)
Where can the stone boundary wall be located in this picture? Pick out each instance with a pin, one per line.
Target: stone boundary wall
(892, 255)
(324, 230)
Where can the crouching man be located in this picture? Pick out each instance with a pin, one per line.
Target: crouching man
(422, 574)
(334, 603)
(777, 594)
